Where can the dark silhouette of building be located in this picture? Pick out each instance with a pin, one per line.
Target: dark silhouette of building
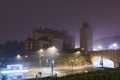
(86, 37)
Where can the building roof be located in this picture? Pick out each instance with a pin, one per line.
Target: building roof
(51, 31)
(29, 39)
(85, 25)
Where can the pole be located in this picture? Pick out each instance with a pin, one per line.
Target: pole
(102, 59)
(76, 56)
(52, 62)
(40, 56)
(72, 66)
(40, 60)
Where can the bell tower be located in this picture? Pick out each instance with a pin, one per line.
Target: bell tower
(86, 37)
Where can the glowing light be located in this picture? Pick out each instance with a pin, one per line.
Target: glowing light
(94, 49)
(46, 60)
(14, 71)
(106, 63)
(40, 51)
(82, 48)
(18, 56)
(53, 48)
(26, 56)
(16, 66)
(78, 52)
(53, 51)
(114, 46)
(99, 47)
(53, 61)
(86, 71)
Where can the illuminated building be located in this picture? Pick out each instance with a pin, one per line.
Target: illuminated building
(14, 72)
(86, 37)
(45, 38)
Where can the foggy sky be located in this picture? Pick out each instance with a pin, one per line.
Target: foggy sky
(18, 18)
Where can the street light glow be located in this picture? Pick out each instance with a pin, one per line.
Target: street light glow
(100, 47)
(114, 46)
(40, 55)
(41, 51)
(18, 56)
(26, 56)
(106, 62)
(78, 52)
(53, 50)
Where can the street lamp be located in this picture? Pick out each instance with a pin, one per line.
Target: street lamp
(72, 62)
(77, 54)
(40, 54)
(18, 57)
(99, 47)
(114, 46)
(101, 61)
(52, 49)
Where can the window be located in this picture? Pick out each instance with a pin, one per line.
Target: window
(43, 45)
(31, 46)
(26, 46)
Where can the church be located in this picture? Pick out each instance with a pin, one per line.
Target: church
(44, 38)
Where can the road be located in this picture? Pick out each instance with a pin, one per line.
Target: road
(46, 71)
(60, 71)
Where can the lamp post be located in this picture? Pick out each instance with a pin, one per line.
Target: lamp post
(40, 54)
(77, 54)
(18, 56)
(52, 49)
(72, 62)
(101, 61)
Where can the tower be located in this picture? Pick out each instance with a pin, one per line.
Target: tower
(86, 37)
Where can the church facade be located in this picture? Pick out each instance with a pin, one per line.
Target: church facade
(45, 38)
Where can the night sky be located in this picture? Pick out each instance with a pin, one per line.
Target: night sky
(18, 18)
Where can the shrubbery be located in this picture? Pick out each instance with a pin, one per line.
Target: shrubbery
(107, 74)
